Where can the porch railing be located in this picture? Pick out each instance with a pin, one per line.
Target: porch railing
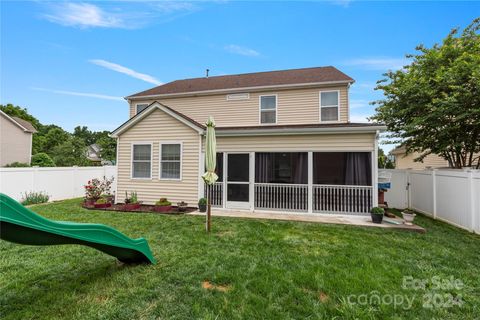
(342, 199)
(287, 197)
(215, 192)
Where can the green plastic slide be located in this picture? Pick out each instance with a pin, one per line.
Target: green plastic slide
(21, 225)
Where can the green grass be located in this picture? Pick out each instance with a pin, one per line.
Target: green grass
(275, 270)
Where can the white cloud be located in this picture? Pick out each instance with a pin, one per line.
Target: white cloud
(359, 117)
(383, 64)
(124, 14)
(129, 72)
(80, 94)
(84, 15)
(358, 103)
(174, 6)
(244, 51)
(342, 3)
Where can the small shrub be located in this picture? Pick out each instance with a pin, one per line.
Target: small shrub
(42, 160)
(202, 202)
(17, 164)
(133, 197)
(163, 202)
(101, 201)
(377, 210)
(95, 188)
(33, 197)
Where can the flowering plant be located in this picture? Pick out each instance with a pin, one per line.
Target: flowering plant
(95, 188)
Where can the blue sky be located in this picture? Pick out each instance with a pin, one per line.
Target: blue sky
(70, 63)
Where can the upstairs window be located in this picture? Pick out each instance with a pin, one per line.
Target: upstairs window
(142, 161)
(268, 109)
(170, 161)
(329, 106)
(140, 107)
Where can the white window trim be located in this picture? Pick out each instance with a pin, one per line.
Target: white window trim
(151, 159)
(160, 160)
(137, 104)
(320, 106)
(260, 109)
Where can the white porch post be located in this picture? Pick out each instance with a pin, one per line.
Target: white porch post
(375, 171)
(225, 168)
(252, 181)
(201, 169)
(310, 182)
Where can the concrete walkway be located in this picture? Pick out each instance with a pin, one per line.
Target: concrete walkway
(362, 221)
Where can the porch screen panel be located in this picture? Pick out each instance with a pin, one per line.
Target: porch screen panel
(281, 181)
(342, 182)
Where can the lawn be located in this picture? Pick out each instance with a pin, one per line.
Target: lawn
(254, 269)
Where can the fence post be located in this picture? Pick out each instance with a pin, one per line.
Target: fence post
(310, 182)
(434, 192)
(408, 187)
(471, 200)
(74, 181)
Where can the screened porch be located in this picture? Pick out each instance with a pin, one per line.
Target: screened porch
(316, 182)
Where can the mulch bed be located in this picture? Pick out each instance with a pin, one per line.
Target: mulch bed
(143, 208)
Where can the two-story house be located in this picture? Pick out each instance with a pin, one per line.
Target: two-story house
(284, 143)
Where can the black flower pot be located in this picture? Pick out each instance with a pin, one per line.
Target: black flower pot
(202, 207)
(376, 218)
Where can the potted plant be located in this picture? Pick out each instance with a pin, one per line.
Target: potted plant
(102, 203)
(202, 205)
(163, 205)
(131, 203)
(377, 214)
(408, 216)
(182, 206)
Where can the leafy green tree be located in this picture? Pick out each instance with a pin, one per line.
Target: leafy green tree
(42, 160)
(83, 133)
(108, 148)
(54, 137)
(433, 105)
(71, 152)
(383, 161)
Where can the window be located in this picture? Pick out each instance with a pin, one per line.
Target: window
(170, 161)
(268, 109)
(329, 105)
(140, 107)
(142, 161)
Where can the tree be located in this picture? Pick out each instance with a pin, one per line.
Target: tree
(108, 148)
(54, 137)
(383, 161)
(71, 152)
(42, 160)
(83, 133)
(433, 105)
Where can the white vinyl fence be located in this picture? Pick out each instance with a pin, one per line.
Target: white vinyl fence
(58, 182)
(449, 195)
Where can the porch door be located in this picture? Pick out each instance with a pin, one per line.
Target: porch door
(238, 181)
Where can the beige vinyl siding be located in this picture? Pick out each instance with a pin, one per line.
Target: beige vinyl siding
(313, 142)
(155, 128)
(407, 162)
(293, 107)
(15, 144)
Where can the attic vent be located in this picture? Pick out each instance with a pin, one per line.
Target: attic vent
(238, 96)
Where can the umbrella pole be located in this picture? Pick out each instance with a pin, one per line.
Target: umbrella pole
(209, 208)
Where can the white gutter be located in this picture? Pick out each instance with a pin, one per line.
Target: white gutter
(257, 88)
(290, 131)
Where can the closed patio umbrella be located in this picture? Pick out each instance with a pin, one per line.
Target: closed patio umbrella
(210, 177)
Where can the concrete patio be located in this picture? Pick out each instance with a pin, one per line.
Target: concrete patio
(361, 221)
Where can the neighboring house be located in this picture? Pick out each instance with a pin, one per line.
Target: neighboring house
(284, 143)
(15, 140)
(94, 155)
(406, 161)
